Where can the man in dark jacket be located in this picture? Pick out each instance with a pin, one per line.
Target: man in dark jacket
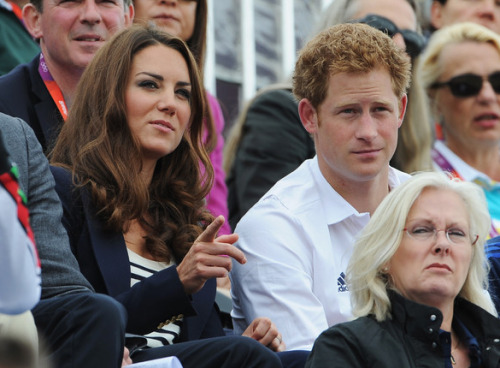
(40, 91)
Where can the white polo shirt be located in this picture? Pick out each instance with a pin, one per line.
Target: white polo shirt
(298, 240)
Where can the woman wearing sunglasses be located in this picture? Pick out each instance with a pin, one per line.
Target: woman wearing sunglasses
(460, 70)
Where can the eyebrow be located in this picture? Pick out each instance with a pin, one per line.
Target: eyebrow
(433, 223)
(152, 75)
(160, 78)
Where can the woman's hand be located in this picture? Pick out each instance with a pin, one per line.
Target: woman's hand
(126, 357)
(209, 257)
(265, 332)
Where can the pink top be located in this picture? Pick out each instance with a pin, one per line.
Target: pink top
(217, 198)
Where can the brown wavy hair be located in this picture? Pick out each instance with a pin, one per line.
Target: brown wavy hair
(96, 144)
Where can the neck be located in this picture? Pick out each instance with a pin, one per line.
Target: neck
(148, 169)
(134, 237)
(364, 196)
(66, 77)
(447, 312)
(484, 158)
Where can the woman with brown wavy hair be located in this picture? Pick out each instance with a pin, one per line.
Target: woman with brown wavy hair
(127, 169)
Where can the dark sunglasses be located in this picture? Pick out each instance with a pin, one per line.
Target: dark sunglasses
(467, 85)
(415, 42)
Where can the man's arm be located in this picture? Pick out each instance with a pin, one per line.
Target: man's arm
(276, 282)
(19, 267)
(60, 271)
(19, 263)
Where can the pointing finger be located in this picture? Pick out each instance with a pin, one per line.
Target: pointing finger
(209, 234)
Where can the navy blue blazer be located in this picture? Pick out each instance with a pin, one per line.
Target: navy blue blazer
(103, 259)
(24, 95)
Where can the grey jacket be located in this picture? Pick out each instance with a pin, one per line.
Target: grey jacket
(60, 271)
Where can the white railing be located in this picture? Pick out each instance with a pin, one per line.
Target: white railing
(287, 36)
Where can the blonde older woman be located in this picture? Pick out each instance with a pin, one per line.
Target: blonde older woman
(460, 70)
(417, 280)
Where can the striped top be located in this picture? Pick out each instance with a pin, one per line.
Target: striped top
(140, 269)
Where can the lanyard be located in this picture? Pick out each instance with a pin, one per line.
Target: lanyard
(52, 87)
(445, 165)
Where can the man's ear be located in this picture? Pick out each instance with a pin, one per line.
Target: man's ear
(308, 116)
(437, 14)
(403, 104)
(32, 19)
(129, 15)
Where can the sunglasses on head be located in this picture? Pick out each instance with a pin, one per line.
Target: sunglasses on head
(415, 42)
(467, 85)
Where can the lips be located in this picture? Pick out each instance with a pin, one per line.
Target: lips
(439, 265)
(89, 38)
(163, 123)
(367, 151)
(165, 16)
(487, 116)
(487, 119)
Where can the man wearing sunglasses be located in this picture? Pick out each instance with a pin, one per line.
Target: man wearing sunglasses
(484, 12)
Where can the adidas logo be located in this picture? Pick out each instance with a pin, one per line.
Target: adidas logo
(341, 283)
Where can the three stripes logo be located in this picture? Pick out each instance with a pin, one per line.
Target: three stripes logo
(341, 283)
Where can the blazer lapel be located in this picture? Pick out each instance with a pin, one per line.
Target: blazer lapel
(109, 249)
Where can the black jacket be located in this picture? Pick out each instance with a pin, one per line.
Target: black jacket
(409, 339)
(273, 144)
(23, 95)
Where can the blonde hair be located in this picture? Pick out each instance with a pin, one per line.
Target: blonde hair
(430, 69)
(379, 240)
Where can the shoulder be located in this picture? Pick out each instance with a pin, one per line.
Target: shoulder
(10, 124)
(353, 336)
(64, 180)
(61, 174)
(16, 87)
(275, 102)
(296, 190)
(397, 177)
(216, 111)
(20, 74)
(292, 203)
(357, 329)
(279, 94)
(360, 343)
(65, 186)
(19, 138)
